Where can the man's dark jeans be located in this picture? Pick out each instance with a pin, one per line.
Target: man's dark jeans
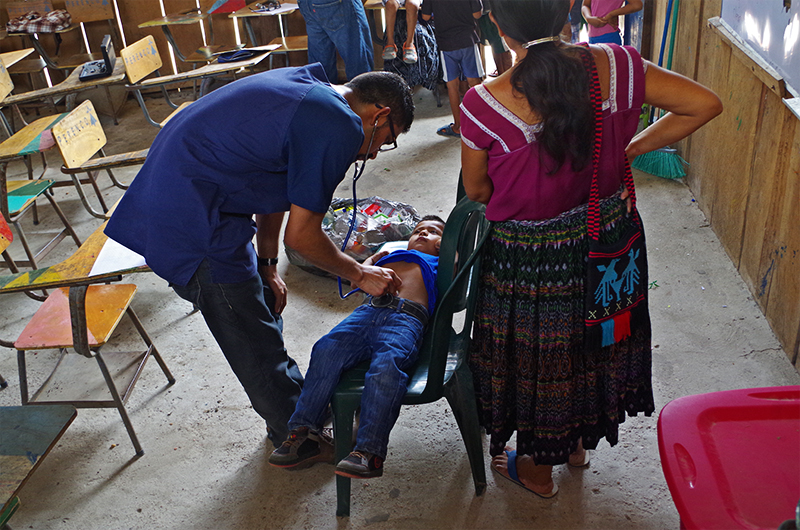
(250, 334)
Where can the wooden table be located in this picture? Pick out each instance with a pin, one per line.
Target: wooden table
(247, 14)
(27, 436)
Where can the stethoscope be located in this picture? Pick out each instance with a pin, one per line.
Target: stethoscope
(358, 171)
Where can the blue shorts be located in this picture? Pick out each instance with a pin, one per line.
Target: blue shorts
(462, 64)
(607, 38)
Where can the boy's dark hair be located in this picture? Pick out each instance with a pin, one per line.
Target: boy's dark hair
(432, 218)
(386, 89)
(551, 77)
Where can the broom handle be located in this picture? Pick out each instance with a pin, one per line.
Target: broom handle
(664, 34)
(661, 52)
(672, 34)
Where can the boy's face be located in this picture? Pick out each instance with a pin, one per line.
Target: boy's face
(427, 237)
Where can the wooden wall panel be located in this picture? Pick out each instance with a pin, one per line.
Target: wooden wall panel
(731, 149)
(138, 12)
(783, 305)
(687, 38)
(764, 205)
(704, 171)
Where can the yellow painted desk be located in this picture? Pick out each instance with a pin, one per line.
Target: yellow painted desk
(98, 260)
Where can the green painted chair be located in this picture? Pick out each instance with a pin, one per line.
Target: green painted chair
(441, 370)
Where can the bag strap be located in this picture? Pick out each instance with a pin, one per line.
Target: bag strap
(594, 195)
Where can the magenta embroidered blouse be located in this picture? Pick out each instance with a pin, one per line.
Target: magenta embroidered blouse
(518, 164)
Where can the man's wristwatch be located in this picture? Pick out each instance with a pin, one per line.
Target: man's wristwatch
(267, 262)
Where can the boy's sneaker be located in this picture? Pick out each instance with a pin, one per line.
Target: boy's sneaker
(389, 52)
(303, 448)
(409, 54)
(360, 465)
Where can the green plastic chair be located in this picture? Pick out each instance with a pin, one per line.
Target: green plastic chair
(441, 370)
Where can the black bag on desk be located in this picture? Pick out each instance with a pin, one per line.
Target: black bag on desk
(99, 69)
(616, 275)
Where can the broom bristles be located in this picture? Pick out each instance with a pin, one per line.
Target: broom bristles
(663, 164)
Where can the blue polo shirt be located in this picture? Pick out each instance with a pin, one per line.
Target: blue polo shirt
(428, 265)
(254, 146)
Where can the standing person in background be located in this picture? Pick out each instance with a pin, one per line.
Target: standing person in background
(527, 144)
(409, 50)
(500, 52)
(338, 25)
(603, 18)
(455, 23)
(575, 20)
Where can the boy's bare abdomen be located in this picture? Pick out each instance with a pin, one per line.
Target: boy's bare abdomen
(413, 287)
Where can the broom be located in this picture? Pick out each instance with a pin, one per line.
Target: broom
(664, 162)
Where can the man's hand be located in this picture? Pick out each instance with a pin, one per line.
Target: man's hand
(271, 278)
(377, 281)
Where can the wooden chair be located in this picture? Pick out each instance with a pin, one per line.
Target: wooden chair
(19, 196)
(142, 59)
(79, 137)
(441, 370)
(82, 316)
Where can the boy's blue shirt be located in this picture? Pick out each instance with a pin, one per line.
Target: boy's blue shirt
(428, 265)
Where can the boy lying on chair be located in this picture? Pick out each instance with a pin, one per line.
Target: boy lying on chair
(385, 330)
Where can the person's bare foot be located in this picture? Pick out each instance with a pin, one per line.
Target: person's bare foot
(536, 478)
(580, 457)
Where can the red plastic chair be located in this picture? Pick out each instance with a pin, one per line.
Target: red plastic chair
(732, 458)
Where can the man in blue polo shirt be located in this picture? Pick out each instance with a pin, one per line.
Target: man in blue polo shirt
(269, 143)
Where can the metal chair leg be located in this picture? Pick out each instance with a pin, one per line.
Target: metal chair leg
(119, 404)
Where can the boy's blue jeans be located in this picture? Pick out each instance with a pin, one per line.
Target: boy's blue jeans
(338, 25)
(250, 334)
(390, 341)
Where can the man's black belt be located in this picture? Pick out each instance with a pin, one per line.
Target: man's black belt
(410, 307)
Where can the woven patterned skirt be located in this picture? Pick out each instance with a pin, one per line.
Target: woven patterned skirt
(532, 372)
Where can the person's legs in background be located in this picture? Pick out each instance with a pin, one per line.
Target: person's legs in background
(390, 48)
(320, 21)
(500, 52)
(352, 38)
(250, 335)
(466, 62)
(575, 20)
(409, 49)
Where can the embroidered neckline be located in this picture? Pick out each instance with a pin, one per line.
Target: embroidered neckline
(528, 130)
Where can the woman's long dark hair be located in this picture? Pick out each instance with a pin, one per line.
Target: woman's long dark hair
(551, 77)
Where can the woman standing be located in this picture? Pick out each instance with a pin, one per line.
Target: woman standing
(527, 147)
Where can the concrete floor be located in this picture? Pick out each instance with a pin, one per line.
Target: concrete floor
(205, 462)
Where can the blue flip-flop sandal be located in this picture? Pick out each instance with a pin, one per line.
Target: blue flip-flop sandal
(513, 477)
(447, 130)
